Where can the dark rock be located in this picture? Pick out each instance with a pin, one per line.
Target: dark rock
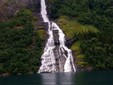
(8, 8)
(56, 37)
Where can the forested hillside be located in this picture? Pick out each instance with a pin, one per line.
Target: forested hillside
(89, 24)
(21, 44)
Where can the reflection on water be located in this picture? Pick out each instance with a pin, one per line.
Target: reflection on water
(58, 79)
(78, 78)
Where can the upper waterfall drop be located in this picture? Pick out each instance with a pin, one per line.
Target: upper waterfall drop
(43, 11)
(56, 57)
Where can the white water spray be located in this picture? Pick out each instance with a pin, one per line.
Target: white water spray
(56, 58)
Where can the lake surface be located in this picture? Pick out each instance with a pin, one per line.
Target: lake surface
(78, 78)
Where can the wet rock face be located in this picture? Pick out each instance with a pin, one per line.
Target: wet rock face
(56, 37)
(11, 7)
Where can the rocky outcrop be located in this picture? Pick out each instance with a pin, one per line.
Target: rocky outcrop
(8, 8)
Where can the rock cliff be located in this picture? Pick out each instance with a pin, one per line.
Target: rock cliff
(10, 7)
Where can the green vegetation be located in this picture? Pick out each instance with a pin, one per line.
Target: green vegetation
(42, 34)
(20, 45)
(72, 27)
(77, 54)
(89, 23)
(98, 54)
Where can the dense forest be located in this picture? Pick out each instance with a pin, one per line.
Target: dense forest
(20, 45)
(92, 50)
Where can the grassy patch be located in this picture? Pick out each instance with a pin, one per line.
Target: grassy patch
(42, 34)
(76, 46)
(77, 54)
(72, 27)
(81, 64)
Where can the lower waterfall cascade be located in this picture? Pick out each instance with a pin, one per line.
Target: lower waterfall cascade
(56, 57)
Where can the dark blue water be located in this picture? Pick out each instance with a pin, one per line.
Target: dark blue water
(78, 78)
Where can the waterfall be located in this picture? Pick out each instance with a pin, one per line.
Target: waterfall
(56, 57)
